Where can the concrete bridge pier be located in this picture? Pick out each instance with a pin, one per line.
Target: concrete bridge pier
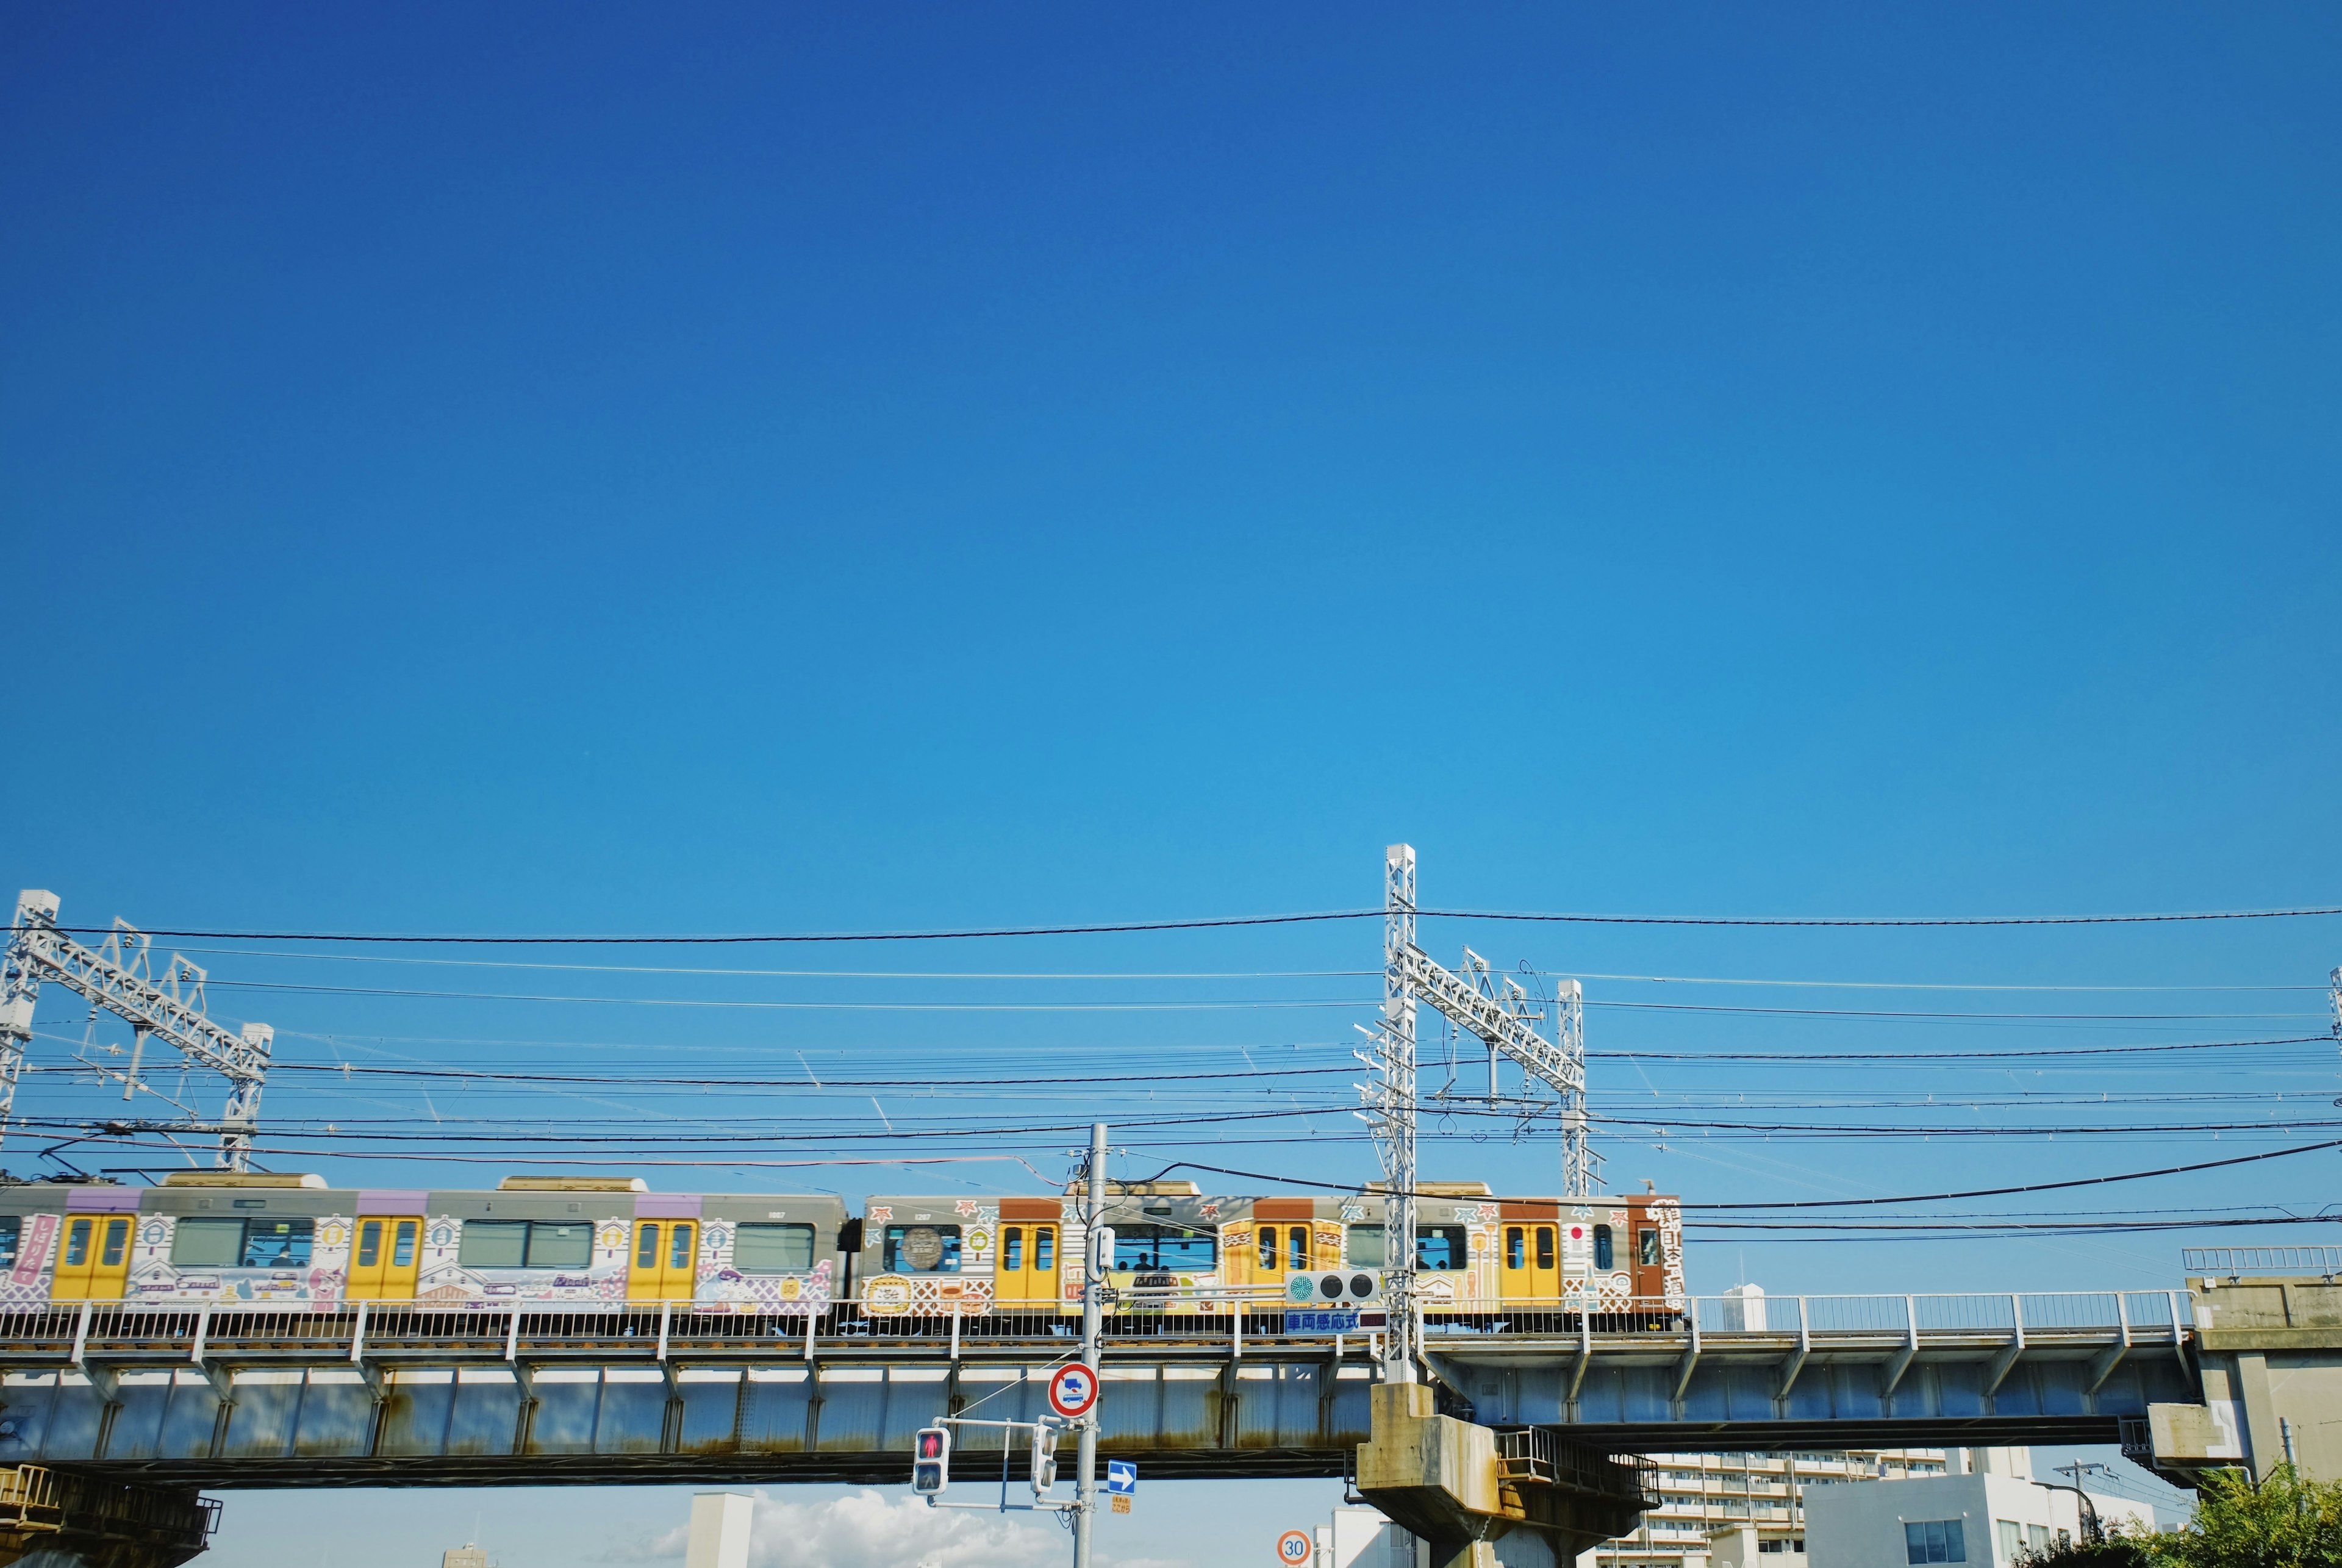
(50, 1519)
(1484, 1499)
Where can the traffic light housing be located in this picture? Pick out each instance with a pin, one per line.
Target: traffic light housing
(931, 1461)
(1045, 1459)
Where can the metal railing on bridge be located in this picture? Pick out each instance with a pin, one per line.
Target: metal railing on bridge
(1234, 1319)
(2233, 1262)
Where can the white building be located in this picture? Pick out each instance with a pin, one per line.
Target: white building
(1717, 1507)
(1363, 1538)
(1987, 1514)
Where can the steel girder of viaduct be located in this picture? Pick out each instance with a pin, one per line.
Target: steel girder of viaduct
(228, 1397)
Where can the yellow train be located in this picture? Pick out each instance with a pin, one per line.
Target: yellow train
(205, 1237)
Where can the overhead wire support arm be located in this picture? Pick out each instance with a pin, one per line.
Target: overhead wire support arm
(1497, 1009)
(119, 976)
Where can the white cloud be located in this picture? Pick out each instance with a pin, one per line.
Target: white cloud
(867, 1529)
(650, 1548)
(870, 1529)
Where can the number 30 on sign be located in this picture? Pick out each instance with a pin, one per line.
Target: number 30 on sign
(1295, 1548)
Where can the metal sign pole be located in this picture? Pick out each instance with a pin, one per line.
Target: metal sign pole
(1093, 1307)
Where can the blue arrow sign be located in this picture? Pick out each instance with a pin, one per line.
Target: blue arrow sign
(1121, 1477)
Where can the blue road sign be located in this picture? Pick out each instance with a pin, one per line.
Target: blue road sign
(1121, 1478)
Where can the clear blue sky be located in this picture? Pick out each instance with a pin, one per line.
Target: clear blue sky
(568, 469)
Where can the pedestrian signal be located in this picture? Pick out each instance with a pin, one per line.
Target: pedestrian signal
(931, 1461)
(1045, 1459)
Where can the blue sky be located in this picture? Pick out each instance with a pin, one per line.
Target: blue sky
(567, 470)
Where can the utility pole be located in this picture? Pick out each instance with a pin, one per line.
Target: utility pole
(1094, 1278)
(2092, 1530)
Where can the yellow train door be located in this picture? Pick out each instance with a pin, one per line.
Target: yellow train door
(386, 1255)
(1026, 1267)
(666, 1265)
(1027, 1270)
(1528, 1261)
(1281, 1240)
(94, 1260)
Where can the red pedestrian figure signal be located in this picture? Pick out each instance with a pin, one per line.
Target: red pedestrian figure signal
(931, 1461)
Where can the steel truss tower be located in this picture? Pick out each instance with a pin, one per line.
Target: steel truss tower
(1504, 1016)
(119, 976)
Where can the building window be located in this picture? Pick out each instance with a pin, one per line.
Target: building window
(1934, 1541)
(2009, 1535)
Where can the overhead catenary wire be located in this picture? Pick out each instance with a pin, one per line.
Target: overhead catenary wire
(1219, 922)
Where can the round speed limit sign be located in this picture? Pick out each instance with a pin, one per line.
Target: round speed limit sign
(1293, 1548)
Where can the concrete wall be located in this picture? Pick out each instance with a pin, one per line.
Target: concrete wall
(721, 1522)
(1861, 1525)
(1363, 1538)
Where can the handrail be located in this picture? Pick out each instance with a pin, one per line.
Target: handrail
(2236, 1260)
(660, 1330)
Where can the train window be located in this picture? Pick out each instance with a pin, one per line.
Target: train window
(1151, 1248)
(489, 1243)
(1297, 1247)
(402, 1251)
(772, 1249)
(369, 1244)
(678, 1253)
(1045, 1247)
(1603, 1256)
(277, 1243)
(1441, 1248)
(1517, 1254)
(1269, 1247)
(1012, 1249)
(1545, 1246)
(922, 1249)
(117, 1243)
(11, 1227)
(1646, 1248)
(647, 1247)
(569, 1246)
(77, 1243)
(206, 1244)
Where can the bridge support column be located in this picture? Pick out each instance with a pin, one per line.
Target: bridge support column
(99, 1524)
(2268, 1354)
(1537, 1506)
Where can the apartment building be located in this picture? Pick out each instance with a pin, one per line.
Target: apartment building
(1716, 1506)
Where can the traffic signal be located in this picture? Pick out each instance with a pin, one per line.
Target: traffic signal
(931, 1461)
(1045, 1459)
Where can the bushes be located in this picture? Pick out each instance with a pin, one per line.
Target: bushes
(2285, 1522)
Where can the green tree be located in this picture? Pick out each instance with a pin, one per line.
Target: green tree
(2285, 1522)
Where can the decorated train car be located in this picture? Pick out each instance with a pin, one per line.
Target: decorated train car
(1186, 1253)
(215, 1237)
